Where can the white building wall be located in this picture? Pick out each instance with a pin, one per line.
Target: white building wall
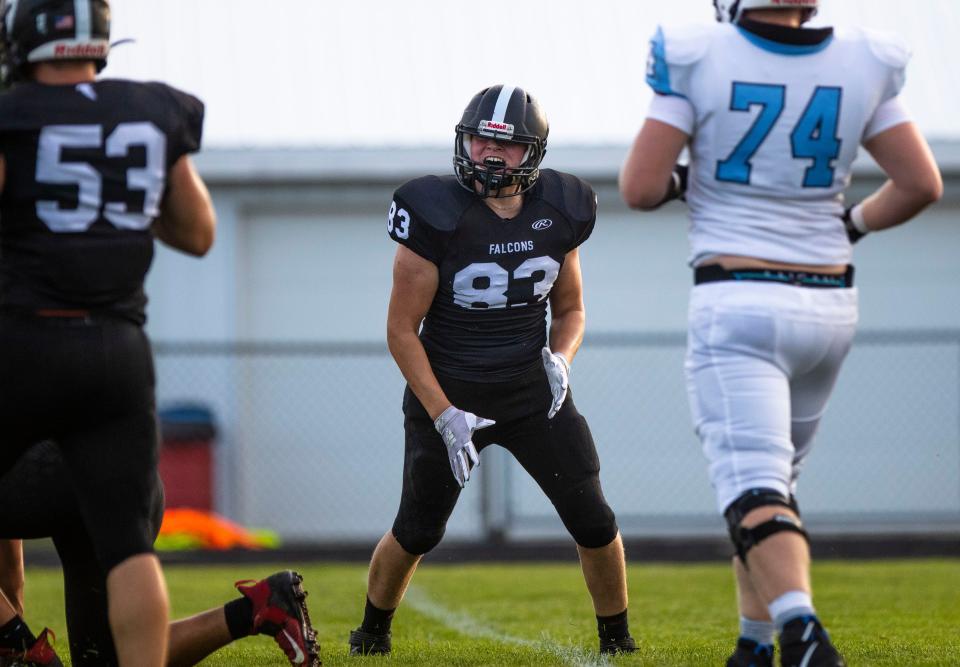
(303, 259)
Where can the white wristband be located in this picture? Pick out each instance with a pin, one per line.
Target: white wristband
(856, 218)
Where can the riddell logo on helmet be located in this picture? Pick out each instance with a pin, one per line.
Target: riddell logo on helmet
(491, 128)
(80, 51)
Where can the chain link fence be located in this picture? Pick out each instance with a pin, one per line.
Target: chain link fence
(310, 440)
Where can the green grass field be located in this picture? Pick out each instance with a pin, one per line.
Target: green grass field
(879, 612)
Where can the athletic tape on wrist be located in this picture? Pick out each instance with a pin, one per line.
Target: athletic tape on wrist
(856, 219)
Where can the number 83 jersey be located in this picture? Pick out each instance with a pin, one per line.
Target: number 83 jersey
(776, 117)
(487, 322)
(86, 170)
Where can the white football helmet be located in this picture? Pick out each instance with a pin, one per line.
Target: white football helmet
(730, 11)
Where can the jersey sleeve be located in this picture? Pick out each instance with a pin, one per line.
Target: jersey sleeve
(673, 110)
(674, 52)
(889, 114)
(574, 198)
(410, 228)
(584, 228)
(186, 132)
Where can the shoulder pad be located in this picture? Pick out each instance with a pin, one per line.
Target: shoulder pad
(11, 114)
(673, 49)
(569, 194)
(185, 115)
(688, 43)
(437, 200)
(888, 48)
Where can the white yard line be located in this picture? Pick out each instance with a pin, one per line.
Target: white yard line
(466, 624)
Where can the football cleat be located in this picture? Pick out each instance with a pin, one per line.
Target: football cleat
(39, 654)
(804, 643)
(280, 611)
(615, 646)
(369, 643)
(751, 654)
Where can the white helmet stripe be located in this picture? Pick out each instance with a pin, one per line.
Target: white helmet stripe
(500, 110)
(11, 14)
(81, 10)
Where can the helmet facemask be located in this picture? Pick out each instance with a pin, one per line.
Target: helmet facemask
(495, 179)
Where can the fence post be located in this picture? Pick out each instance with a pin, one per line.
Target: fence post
(495, 501)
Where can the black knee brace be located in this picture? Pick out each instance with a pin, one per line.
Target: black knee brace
(745, 539)
(586, 514)
(417, 535)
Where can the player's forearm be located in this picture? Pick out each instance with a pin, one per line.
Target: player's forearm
(411, 359)
(188, 221)
(11, 572)
(647, 178)
(914, 178)
(893, 205)
(566, 333)
(194, 237)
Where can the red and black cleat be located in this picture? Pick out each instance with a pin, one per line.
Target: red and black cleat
(39, 654)
(280, 610)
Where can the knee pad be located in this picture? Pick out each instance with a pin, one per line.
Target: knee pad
(745, 539)
(586, 515)
(417, 535)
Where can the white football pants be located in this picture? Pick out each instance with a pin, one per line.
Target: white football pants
(762, 359)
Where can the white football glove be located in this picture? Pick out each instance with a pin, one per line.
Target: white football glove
(558, 373)
(456, 427)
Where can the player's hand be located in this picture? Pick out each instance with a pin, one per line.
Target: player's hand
(558, 373)
(456, 427)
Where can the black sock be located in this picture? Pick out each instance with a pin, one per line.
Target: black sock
(15, 634)
(239, 615)
(613, 627)
(376, 621)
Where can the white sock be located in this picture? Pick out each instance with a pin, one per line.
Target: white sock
(789, 606)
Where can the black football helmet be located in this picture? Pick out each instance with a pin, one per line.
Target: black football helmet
(506, 113)
(33, 31)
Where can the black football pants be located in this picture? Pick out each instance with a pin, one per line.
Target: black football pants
(88, 386)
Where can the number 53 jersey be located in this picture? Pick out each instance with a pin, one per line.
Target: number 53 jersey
(776, 117)
(86, 171)
(487, 322)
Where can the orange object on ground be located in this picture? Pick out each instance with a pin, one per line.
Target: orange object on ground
(185, 528)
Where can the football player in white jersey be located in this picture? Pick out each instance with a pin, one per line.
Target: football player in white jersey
(773, 115)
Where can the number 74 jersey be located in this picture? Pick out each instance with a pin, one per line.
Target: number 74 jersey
(487, 322)
(774, 130)
(86, 170)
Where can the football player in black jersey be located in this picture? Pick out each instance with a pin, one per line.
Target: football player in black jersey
(481, 254)
(90, 171)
